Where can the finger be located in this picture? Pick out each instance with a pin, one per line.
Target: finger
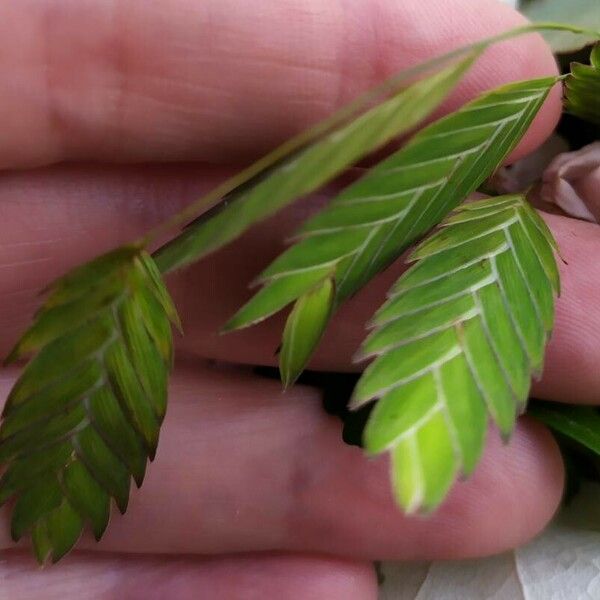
(218, 80)
(88, 576)
(52, 219)
(243, 467)
(571, 372)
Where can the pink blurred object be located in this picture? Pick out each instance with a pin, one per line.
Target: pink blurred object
(528, 171)
(572, 182)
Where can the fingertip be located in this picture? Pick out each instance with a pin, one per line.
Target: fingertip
(524, 57)
(571, 371)
(225, 86)
(513, 495)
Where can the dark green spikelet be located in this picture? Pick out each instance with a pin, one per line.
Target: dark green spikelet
(84, 416)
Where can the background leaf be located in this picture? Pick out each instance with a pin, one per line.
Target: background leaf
(460, 336)
(374, 220)
(581, 424)
(582, 88)
(84, 416)
(585, 13)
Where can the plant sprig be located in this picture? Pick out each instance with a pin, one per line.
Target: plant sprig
(84, 417)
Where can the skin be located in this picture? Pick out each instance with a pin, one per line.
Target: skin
(117, 113)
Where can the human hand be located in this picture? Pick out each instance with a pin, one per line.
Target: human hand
(203, 87)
